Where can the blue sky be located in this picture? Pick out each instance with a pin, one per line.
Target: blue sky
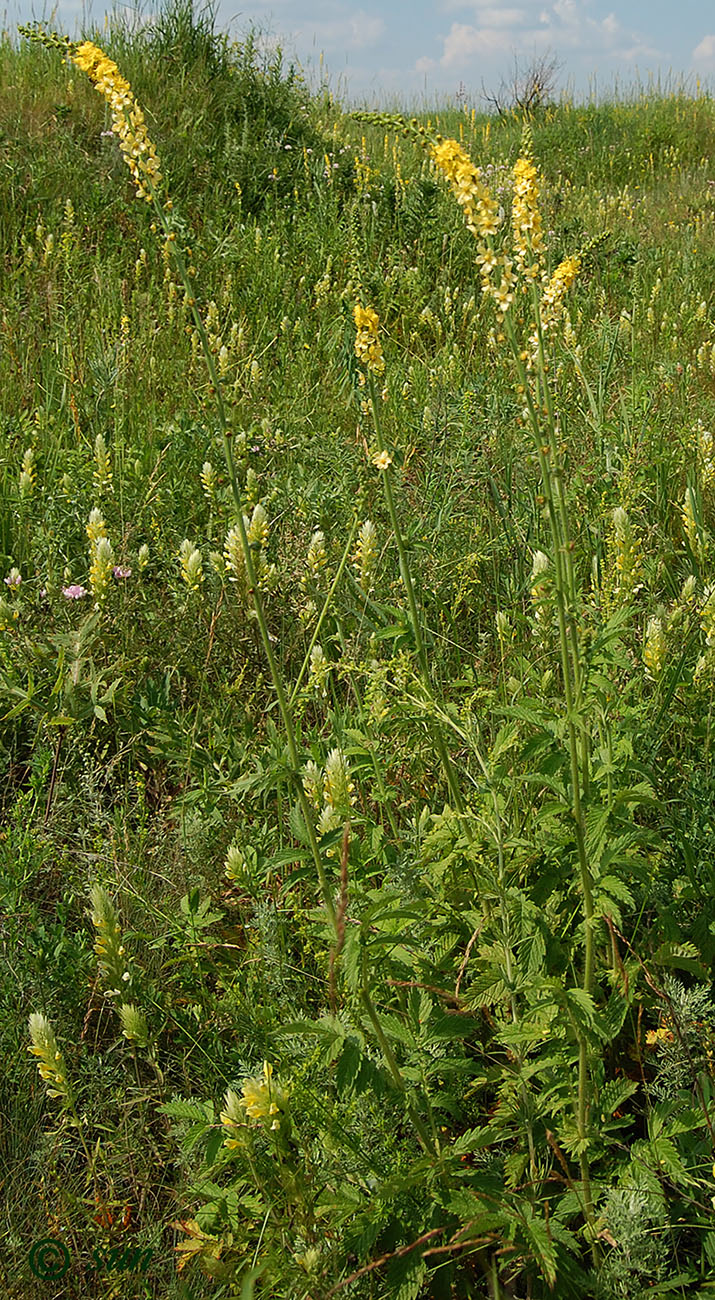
(403, 50)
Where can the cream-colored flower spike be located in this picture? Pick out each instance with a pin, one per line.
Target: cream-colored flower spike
(50, 1061)
(115, 975)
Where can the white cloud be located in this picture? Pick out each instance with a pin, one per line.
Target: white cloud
(706, 49)
(533, 28)
(357, 31)
(327, 25)
(463, 42)
(366, 29)
(567, 11)
(502, 17)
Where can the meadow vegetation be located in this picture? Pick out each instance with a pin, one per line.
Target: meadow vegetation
(357, 648)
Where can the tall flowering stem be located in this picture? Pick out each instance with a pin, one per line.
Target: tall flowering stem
(141, 158)
(565, 595)
(502, 276)
(547, 298)
(369, 351)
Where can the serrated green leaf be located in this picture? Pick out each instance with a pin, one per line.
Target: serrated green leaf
(614, 1093)
(449, 1026)
(297, 825)
(213, 1146)
(681, 956)
(348, 1065)
(475, 1139)
(405, 1275)
(351, 959)
(189, 1110)
(596, 829)
(394, 1028)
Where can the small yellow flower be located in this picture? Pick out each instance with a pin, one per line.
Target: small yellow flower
(382, 460)
(663, 1034)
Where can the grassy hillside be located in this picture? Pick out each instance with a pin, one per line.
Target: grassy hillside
(357, 803)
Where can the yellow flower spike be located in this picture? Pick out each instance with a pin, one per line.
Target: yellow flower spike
(127, 118)
(481, 213)
(50, 1062)
(526, 220)
(368, 349)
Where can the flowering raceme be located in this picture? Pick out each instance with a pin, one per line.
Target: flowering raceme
(50, 1061)
(367, 345)
(480, 210)
(127, 118)
(481, 215)
(557, 288)
(526, 219)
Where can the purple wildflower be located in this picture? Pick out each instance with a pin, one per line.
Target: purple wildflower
(121, 571)
(75, 592)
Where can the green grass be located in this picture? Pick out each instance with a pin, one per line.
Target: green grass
(436, 1042)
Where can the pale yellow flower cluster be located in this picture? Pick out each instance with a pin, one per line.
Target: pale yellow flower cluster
(114, 972)
(364, 558)
(262, 1100)
(101, 557)
(706, 456)
(557, 287)
(655, 648)
(689, 516)
(368, 349)
(50, 1061)
(628, 556)
(480, 210)
(191, 562)
(127, 118)
(482, 218)
(541, 587)
(553, 298)
(526, 221)
(481, 215)
(257, 535)
(333, 788)
(707, 616)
